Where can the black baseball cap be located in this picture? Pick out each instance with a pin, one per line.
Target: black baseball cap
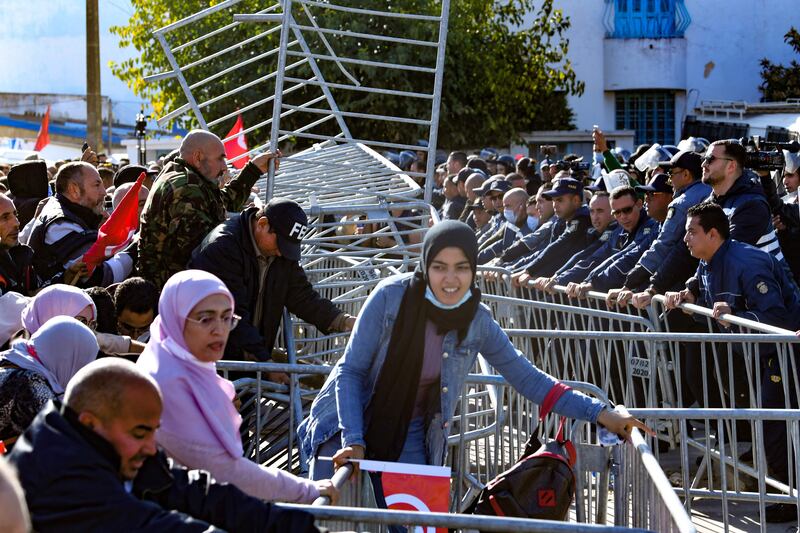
(691, 161)
(128, 174)
(290, 223)
(658, 183)
(499, 185)
(564, 186)
(484, 188)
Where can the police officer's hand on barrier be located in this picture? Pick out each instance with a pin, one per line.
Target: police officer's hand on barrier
(618, 297)
(719, 309)
(641, 300)
(674, 299)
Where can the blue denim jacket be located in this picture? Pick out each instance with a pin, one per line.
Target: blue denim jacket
(341, 403)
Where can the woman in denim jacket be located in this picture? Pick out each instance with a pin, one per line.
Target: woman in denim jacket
(393, 394)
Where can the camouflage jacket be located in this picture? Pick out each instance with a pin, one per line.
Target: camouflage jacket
(182, 209)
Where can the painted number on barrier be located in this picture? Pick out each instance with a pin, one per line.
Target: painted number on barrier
(640, 368)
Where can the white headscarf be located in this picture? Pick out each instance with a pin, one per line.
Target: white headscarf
(60, 348)
(11, 306)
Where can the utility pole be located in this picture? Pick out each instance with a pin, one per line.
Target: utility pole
(110, 118)
(94, 111)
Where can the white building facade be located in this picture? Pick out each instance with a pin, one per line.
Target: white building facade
(647, 64)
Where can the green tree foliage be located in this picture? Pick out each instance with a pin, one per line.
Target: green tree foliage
(777, 81)
(501, 77)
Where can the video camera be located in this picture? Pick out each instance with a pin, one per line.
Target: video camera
(767, 155)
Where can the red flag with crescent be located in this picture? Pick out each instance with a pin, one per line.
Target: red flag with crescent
(236, 144)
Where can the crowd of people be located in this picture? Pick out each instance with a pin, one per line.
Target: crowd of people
(109, 394)
(691, 222)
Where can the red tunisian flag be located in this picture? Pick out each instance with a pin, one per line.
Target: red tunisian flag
(117, 232)
(410, 487)
(237, 146)
(43, 139)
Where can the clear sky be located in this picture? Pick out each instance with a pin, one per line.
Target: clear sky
(43, 48)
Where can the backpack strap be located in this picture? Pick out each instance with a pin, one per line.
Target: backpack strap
(555, 394)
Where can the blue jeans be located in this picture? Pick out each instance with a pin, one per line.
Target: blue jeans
(413, 451)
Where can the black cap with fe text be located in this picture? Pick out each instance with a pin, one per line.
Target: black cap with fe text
(290, 223)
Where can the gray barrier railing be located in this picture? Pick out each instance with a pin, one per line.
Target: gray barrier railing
(476, 455)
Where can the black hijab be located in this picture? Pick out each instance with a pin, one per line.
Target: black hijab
(390, 409)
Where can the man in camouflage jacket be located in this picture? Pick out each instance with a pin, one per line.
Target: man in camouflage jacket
(186, 203)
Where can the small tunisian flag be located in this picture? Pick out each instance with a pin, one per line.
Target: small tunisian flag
(410, 487)
(238, 146)
(117, 232)
(43, 139)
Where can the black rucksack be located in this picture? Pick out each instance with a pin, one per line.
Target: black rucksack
(541, 484)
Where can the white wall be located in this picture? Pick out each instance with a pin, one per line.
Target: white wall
(733, 35)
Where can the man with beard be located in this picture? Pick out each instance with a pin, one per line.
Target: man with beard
(186, 203)
(67, 226)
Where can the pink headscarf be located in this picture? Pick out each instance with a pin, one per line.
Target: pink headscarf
(55, 300)
(198, 403)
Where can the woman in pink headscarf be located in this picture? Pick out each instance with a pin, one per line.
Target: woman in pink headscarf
(199, 424)
(59, 300)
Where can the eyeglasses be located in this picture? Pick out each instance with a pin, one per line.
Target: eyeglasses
(130, 331)
(91, 324)
(207, 322)
(707, 160)
(624, 211)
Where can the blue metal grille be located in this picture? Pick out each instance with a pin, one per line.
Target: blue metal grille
(651, 114)
(651, 19)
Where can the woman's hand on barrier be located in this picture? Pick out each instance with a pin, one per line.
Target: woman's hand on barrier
(326, 488)
(621, 424)
(343, 456)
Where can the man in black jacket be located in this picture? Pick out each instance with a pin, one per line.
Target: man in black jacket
(256, 254)
(92, 465)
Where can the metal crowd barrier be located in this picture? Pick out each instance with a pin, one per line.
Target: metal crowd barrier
(489, 440)
(297, 61)
(721, 474)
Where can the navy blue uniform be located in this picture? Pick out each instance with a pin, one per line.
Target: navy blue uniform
(568, 244)
(581, 264)
(523, 251)
(612, 272)
(511, 234)
(667, 253)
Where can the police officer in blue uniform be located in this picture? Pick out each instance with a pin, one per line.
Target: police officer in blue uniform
(567, 196)
(734, 278)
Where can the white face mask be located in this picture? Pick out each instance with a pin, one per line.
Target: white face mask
(509, 215)
(533, 222)
(432, 299)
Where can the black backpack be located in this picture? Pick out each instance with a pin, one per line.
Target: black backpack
(542, 483)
